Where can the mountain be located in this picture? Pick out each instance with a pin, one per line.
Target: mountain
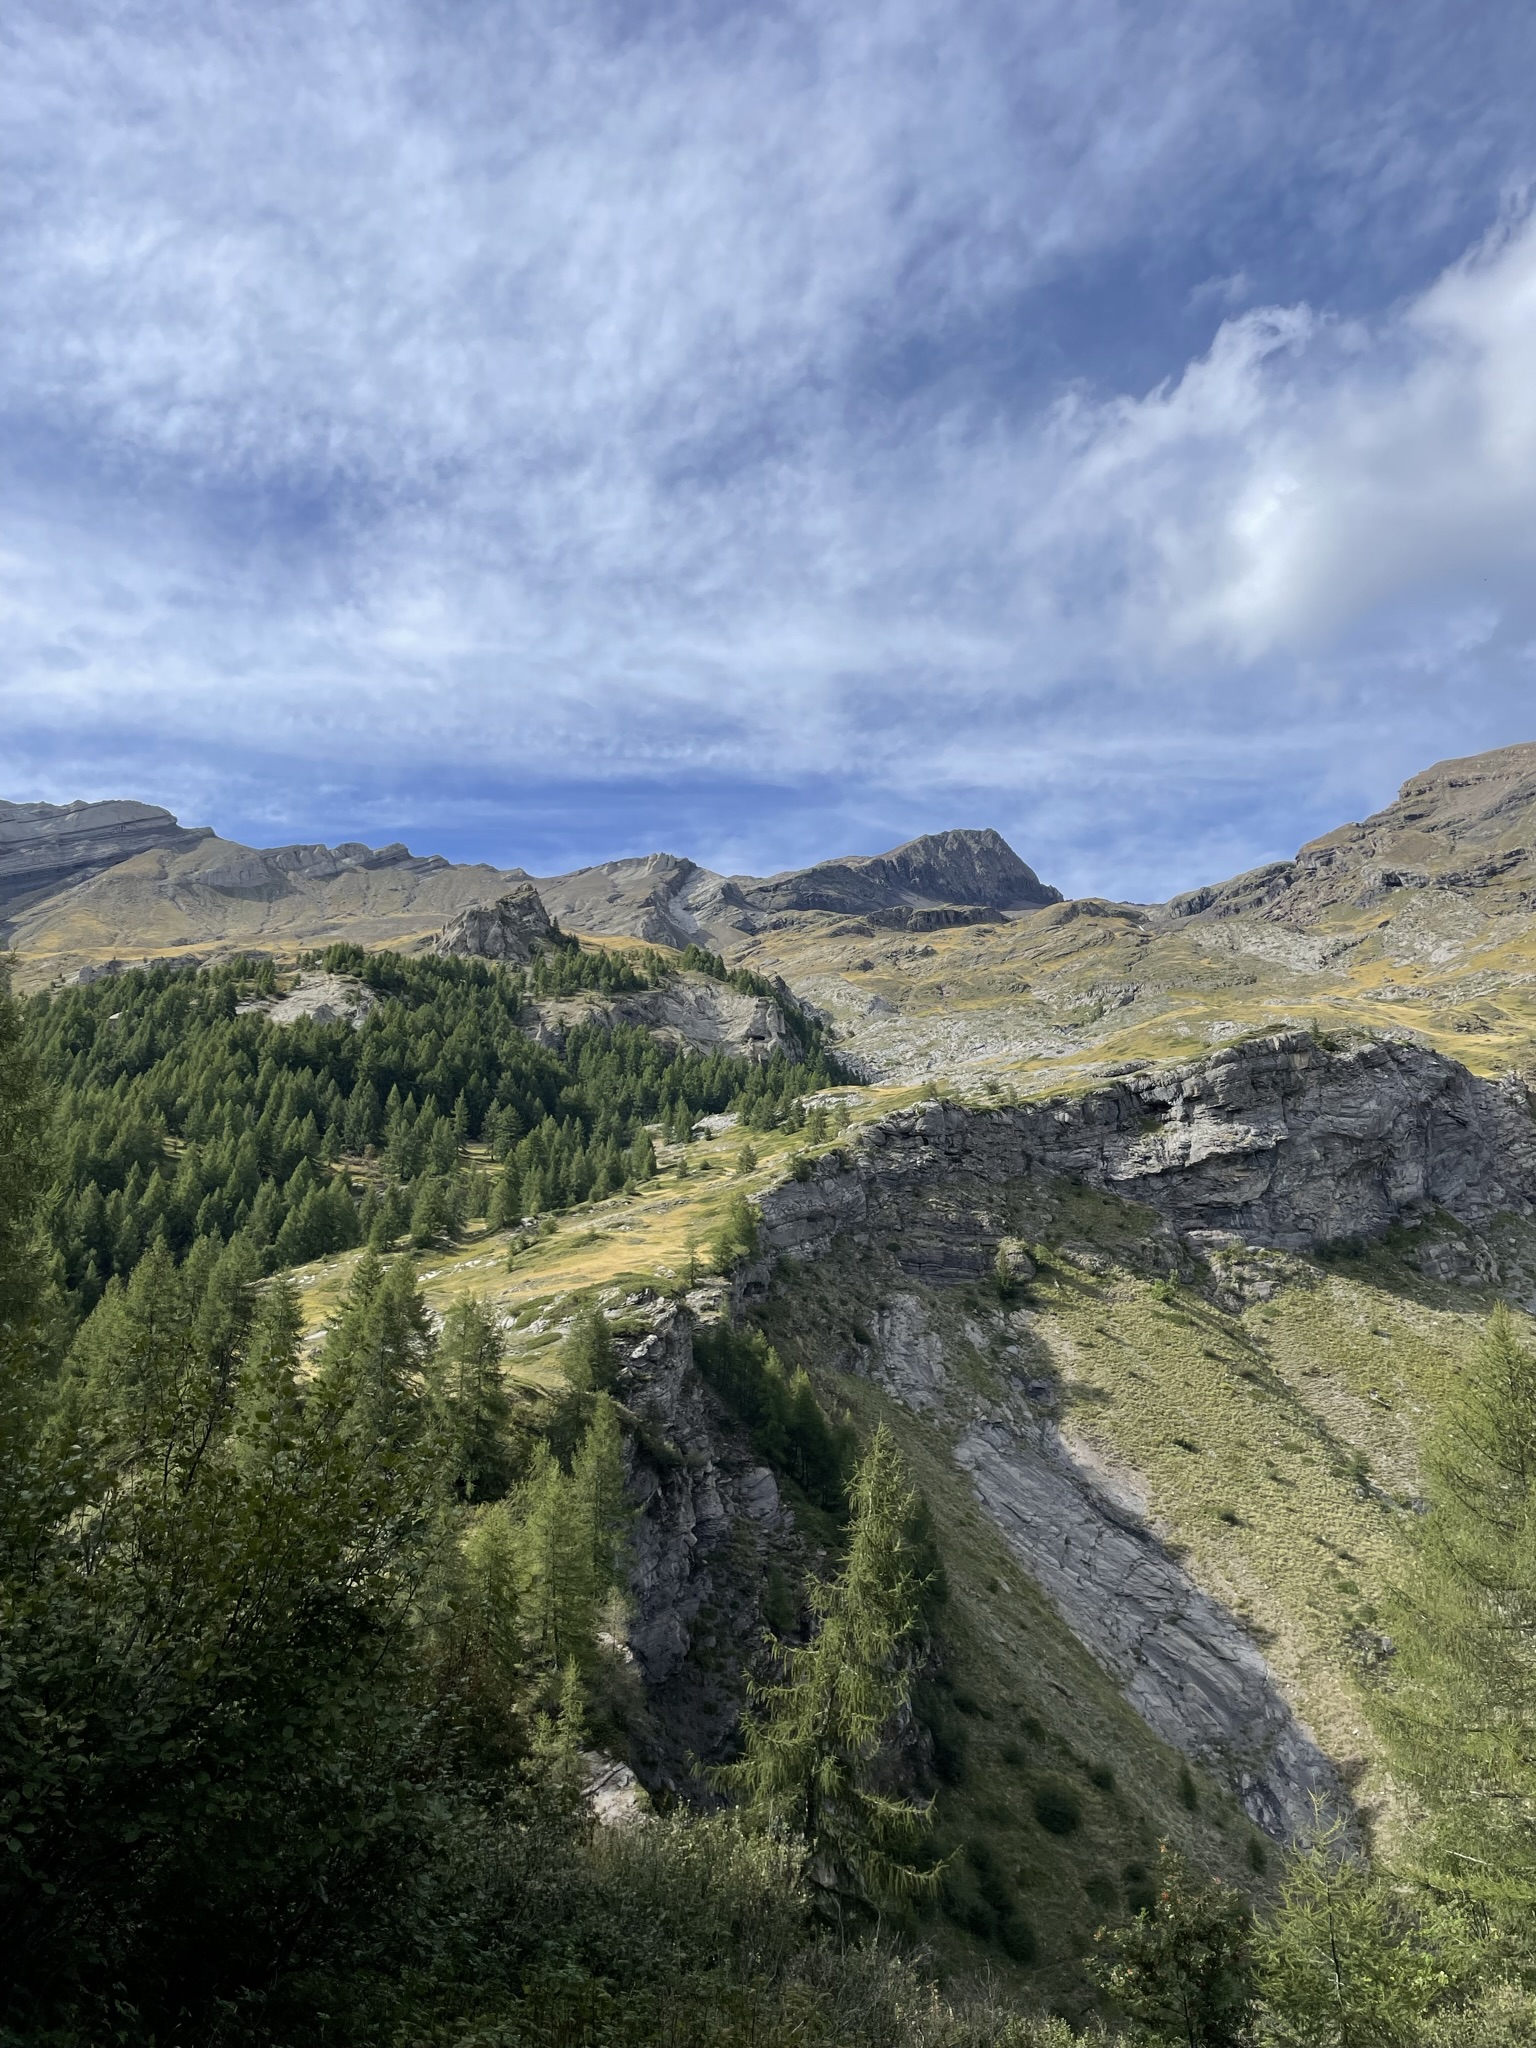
(48, 847)
(88, 883)
(1160, 1281)
(947, 954)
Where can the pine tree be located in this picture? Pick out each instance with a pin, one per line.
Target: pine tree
(814, 1747)
(586, 1355)
(1348, 1961)
(736, 1238)
(597, 1475)
(473, 1402)
(1459, 1709)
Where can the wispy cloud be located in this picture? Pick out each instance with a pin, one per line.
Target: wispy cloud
(434, 410)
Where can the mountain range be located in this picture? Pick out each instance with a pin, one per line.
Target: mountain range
(945, 954)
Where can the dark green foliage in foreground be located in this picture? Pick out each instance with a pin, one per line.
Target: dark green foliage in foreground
(1184, 1970)
(1459, 1704)
(815, 1744)
(780, 1409)
(180, 1118)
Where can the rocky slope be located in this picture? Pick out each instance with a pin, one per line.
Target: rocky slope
(1280, 1143)
(46, 848)
(125, 881)
(691, 1010)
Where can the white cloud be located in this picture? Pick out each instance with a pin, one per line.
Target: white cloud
(1308, 472)
(407, 389)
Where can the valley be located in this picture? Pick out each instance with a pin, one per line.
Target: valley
(1156, 1236)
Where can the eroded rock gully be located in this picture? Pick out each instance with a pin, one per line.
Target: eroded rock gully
(709, 1529)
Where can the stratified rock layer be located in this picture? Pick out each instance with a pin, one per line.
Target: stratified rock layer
(1280, 1141)
(48, 847)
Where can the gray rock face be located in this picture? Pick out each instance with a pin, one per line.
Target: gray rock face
(511, 929)
(1457, 826)
(45, 847)
(1278, 1141)
(263, 874)
(709, 1522)
(327, 998)
(1180, 1659)
(950, 868)
(689, 1010)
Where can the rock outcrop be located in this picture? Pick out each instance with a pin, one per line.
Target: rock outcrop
(689, 1010)
(945, 878)
(48, 847)
(511, 929)
(1279, 1141)
(325, 998)
(709, 1528)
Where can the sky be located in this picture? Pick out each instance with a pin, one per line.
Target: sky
(555, 431)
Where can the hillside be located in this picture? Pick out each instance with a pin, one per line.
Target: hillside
(946, 956)
(1157, 1236)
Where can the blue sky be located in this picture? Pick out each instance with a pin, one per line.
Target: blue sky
(545, 433)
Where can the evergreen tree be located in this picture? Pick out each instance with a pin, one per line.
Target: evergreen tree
(475, 1407)
(736, 1238)
(1459, 1707)
(586, 1354)
(1349, 1961)
(814, 1747)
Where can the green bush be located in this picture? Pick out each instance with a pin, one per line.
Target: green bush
(1057, 1809)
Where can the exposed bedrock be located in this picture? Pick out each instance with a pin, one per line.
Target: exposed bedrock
(1181, 1660)
(1280, 1141)
(709, 1526)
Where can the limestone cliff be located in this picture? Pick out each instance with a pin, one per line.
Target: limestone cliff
(45, 848)
(1281, 1141)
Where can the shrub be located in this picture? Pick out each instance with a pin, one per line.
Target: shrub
(1057, 1809)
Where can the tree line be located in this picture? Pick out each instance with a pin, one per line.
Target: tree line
(182, 1114)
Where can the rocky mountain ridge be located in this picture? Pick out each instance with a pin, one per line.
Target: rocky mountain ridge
(945, 956)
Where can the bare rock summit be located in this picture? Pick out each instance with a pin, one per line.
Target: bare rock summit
(511, 929)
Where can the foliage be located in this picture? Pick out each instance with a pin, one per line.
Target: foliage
(586, 1353)
(1459, 1709)
(1351, 1961)
(736, 1239)
(1183, 1970)
(474, 1407)
(815, 1746)
(210, 1739)
(184, 1112)
(780, 1409)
